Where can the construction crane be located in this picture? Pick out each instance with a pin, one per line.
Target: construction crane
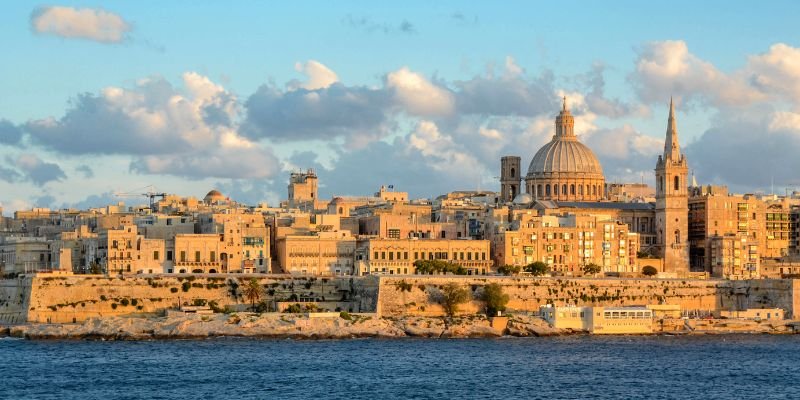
(151, 194)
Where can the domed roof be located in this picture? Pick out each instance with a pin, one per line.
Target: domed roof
(565, 155)
(214, 193)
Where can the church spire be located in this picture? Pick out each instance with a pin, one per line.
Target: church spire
(672, 150)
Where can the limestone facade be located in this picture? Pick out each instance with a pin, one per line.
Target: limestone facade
(396, 256)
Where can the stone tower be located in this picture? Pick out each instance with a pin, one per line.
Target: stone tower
(672, 205)
(509, 178)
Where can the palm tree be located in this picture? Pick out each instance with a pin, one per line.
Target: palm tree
(253, 292)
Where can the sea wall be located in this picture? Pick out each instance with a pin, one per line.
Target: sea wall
(402, 296)
(64, 299)
(60, 299)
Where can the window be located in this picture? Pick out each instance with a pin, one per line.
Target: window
(539, 190)
(196, 256)
(155, 255)
(383, 255)
(169, 255)
(512, 172)
(547, 190)
(572, 189)
(564, 189)
(677, 182)
(391, 255)
(214, 256)
(405, 255)
(376, 256)
(677, 236)
(394, 233)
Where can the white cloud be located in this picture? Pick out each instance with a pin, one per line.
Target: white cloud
(319, 76)
(418, 95)
(191, 132)
(667, 68)
(80, 23)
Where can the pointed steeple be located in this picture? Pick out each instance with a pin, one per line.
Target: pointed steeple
(672, 149)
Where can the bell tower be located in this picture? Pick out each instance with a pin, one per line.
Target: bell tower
(672, 202)
(509, 178)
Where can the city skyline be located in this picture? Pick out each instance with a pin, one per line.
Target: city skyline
(133, 98)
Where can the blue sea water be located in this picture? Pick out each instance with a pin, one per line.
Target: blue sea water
(575, 367)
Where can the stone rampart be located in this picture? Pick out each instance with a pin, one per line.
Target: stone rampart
(64, 299)
(60, 299)
(416, 295)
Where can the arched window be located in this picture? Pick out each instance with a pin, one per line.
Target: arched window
(572, 189)
(594, 190)
(539, 190)
(588, 191)
(580, 190)
(512, 172)
(341, 210)
(677, 182)
(564, 189)
(677, 236)
(661, 183)
(547, 189)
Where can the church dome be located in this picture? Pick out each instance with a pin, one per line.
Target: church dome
(213, 196)
(565, 169)
(565, 155)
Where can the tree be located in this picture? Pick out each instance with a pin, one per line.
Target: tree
(591, 269)
(495, 299)
(509, 270)
(429, 267)
(537, 268)
(95, 268)
(649, 271)
(253, 292)
(453, 295)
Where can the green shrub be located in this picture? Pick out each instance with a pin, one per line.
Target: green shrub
(185, 286)
(345, 316)
(103, 297)
(134, 302)
(199, 302)
(495, 299)
(649, 271)
(294, 309)
(173, 290)
(125, 302)
(113, 306)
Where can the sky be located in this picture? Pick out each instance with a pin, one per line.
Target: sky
(102, 98)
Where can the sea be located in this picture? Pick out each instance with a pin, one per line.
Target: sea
(571, 367)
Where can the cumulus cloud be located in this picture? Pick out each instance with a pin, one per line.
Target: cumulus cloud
(324, 113)
(9, 133)
(319, 75)
(509, 94)
(596, 100)
(667, 68)
(418, 95)
(29, 167)
(80, 23)
(625, 153)
(188, 132)
(776, 71)
(748, 150)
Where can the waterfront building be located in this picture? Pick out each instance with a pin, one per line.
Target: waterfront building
(600, 320)
(124, 251)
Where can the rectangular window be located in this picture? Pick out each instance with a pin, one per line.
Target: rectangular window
(405, 255)
(155, 255)
(391, 255)
(416, 255)
(183, 256)
(383, 255)
(394, 233)
(376, 256)
(213, 256)
(196, 256)
(169, 255)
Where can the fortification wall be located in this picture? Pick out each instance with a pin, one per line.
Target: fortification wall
(14, 297)
(60, 299)
(64, 299)
(419, 295)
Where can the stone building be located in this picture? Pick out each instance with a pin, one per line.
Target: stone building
(124, 251)
(565, 169)
(323, 253)
(566, 243)
(397, 256)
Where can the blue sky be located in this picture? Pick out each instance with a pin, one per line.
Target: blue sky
(428, 89)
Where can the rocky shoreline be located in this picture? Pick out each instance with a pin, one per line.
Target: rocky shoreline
(304, 326)
(297, 326)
